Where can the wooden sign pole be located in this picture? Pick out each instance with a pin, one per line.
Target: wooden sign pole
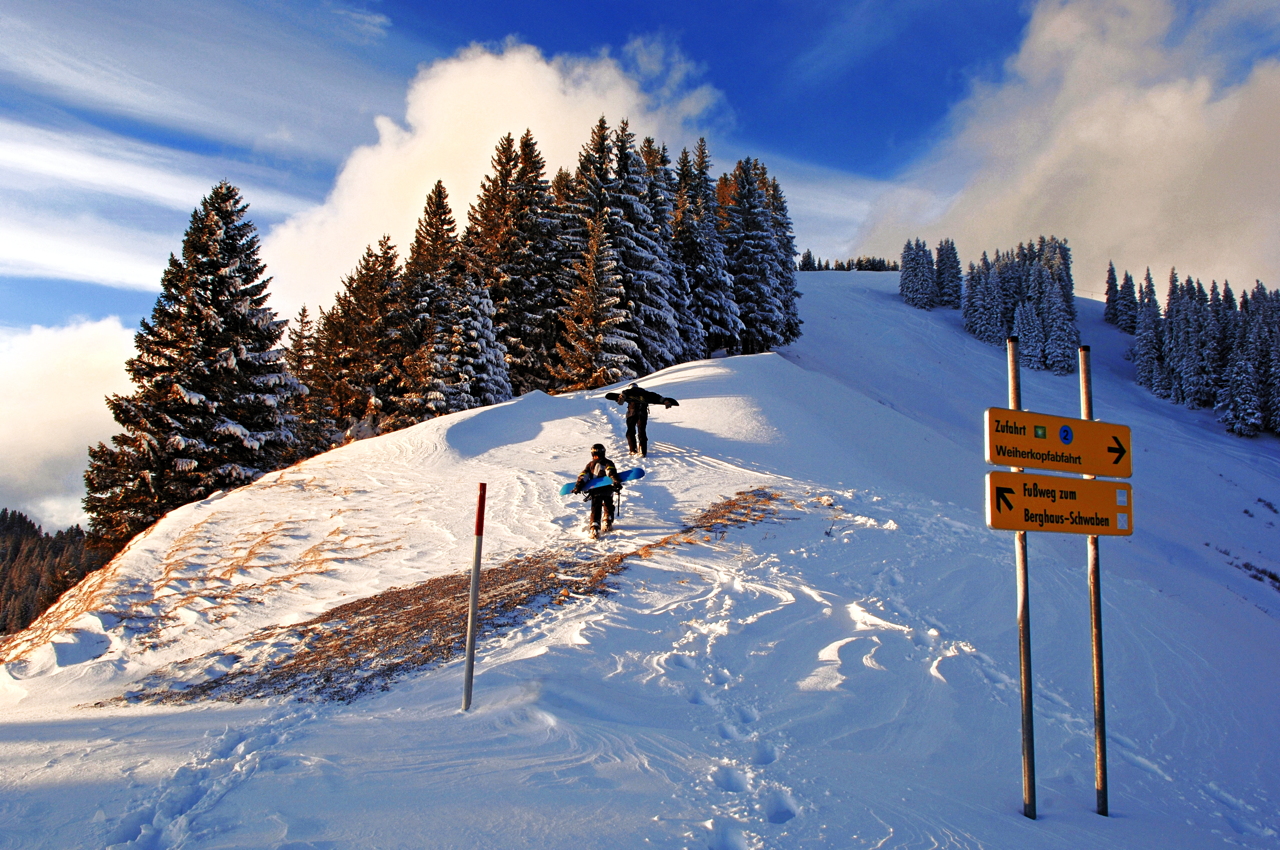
(1095, 615)
(1024, 618)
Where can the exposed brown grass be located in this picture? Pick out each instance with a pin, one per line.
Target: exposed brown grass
(363, 646)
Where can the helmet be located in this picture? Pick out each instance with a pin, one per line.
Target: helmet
(597, 449)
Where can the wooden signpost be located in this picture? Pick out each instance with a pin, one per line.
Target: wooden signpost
(1024, 502)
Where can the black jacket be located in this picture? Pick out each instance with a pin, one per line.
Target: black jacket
(600, 467)
(638, 400)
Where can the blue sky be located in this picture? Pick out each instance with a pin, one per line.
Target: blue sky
(1140, 130)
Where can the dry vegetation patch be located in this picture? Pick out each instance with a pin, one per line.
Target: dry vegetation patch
(366, 644)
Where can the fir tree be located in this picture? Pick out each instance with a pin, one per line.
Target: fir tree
(1062, 338)
(699, 248)
(360, 361)
(643, 263)
(784, 238)
(918, 282)
(1241, 407)
(210, 411)
(947, 269)
(1111, 312)
(806, 262)
(434, 266)
(1029, 329)
(753, 262)
(597, 350)
(315, 429)
(1127, 305)
(491, 244)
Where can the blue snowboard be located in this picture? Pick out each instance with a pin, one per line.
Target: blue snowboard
(626, 475)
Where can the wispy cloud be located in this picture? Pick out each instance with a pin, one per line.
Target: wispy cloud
(1144, 135)
(235, 73)
(102, 209)
(456, 111)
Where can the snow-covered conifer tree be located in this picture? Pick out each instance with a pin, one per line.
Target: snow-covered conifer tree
(784, 239)
(643, 265)
(947, 269)
(1111, 312)
(211, 408)
(1029, 329)
(699, 247)
(1240, 405)
(1127, 305)
(753, 261)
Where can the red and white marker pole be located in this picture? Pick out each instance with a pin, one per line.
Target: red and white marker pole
(473, 605)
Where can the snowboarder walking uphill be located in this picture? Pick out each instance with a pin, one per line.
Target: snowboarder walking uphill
(637, 401)
(601, 497)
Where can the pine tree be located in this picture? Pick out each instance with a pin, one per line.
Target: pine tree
(1111, 312)
(643, 263)
(1062, 338)
(210, 411)
(538, 261)
(918, 282)
(806, 262)
(1127, 305)
(700, 249)
(597, 349)
(1029, 329)
(1241, 406)
(753, 261)
(784, 239)
(431, 273)
(1147, 341)
(491, 244)
(359, 359)
(947, 269)
(972, 307)
(315, 430)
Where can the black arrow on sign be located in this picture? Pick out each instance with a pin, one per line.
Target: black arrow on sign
(1002, 498)
(1118, 449)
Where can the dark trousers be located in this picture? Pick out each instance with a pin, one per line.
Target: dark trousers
(637, 437)
(601, 500)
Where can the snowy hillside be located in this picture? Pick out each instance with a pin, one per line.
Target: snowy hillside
(837, 670)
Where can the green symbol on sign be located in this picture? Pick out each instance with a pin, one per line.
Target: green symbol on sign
(1041, 432)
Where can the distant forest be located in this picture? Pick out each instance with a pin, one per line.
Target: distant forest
(36, 568)
(1027, 292)
(1204, 349)
(810, 263)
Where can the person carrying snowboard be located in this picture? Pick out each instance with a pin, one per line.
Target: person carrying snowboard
(601, 497)
(637, 401)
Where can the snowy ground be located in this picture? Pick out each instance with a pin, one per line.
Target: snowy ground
(842, 675)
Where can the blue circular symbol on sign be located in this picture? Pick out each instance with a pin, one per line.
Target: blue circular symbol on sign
(1065, 435)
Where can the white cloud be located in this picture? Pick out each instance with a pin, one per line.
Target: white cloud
(51, 409)
(1119, 134)
(457, 109)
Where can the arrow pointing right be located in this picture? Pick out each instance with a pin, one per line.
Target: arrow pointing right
(1118, 449)
(1002, 498)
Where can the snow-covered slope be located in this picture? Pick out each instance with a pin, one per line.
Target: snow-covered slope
(843, 674)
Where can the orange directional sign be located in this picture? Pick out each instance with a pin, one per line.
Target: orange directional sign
(1023, 501)
(1040, 441)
